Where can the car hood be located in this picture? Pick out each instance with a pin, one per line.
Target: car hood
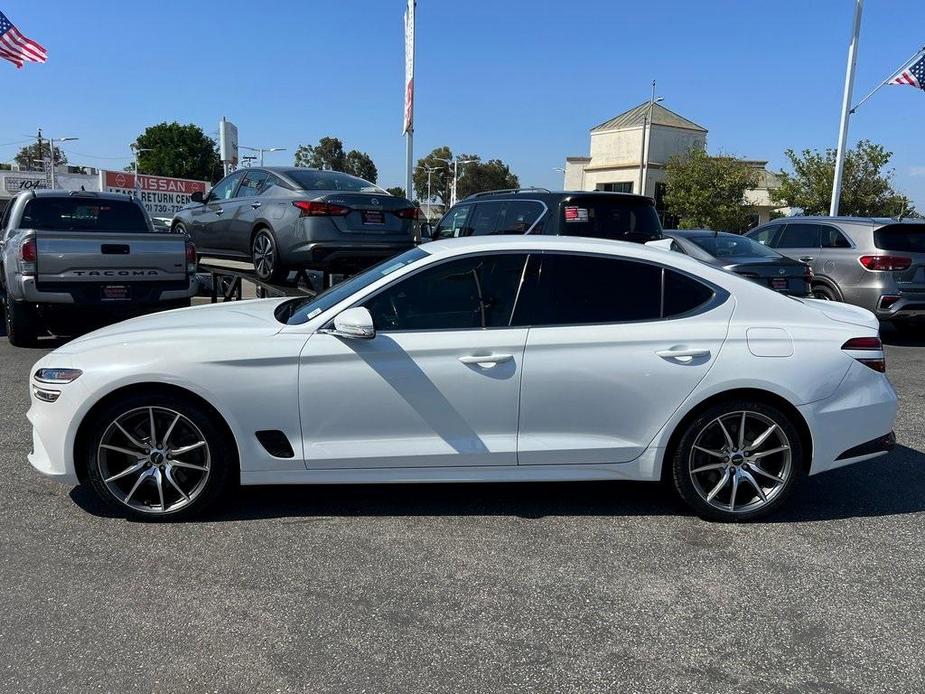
(221, 321)
(844, 313)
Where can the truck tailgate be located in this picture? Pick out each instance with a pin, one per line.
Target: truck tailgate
(109, 257)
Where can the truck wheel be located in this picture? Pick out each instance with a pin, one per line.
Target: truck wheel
(21, 323)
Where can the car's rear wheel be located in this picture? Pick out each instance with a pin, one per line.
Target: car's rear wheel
(158, 457)
(265, 257)
(22, 323)
(737, 461)
(824, 292)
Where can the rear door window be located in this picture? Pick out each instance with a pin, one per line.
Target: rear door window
(610, 217)
(797, 235)
(518, 216)
(84, 214)
(252, 184)
(486, 217)
(905, 238)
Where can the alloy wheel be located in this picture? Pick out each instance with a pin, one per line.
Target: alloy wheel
(264, 255)
(154, 460)
(740, 461)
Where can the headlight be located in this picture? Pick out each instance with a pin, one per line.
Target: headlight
(57, 376)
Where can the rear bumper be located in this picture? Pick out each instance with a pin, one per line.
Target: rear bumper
(88, 293)
(346, 255)
(906, 307)
(851, 425)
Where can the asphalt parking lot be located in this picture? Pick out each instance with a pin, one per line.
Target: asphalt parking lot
(481, 588)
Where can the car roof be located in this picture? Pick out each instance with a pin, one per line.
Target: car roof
(551, 195)
(861, 221)
(698, 233)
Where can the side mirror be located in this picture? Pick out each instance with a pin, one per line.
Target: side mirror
(355, 323)
(196, 196)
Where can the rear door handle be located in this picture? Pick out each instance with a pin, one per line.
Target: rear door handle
(486, 361)
(683, 354)
(219, 211)
(806, 258)
(255, 205)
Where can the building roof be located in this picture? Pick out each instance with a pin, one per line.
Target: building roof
(660, 116)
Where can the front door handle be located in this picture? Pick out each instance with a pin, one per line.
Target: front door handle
(219, 211)
(255, 205)
(486, 361)
(806, 258)
(682, 354)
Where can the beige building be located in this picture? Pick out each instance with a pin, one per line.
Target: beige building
(621, 143)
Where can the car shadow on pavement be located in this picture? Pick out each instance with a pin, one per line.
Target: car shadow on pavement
(893, 337)
(892, 485)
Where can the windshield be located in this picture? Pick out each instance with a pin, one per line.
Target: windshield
(611, 217)
(300, 311)
(730, 246)
(82, 214)
(312, 179)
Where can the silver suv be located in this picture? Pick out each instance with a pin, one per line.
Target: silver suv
(875, 263)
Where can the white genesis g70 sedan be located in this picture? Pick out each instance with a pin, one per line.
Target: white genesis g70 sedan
(493, 359)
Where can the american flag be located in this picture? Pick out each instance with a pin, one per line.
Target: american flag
(17, 48)
(913, 74)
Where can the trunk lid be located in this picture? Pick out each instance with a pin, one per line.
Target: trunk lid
(780, 274)
(845, 313)
(371, 213)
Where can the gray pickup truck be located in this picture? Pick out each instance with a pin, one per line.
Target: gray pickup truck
(69, 261)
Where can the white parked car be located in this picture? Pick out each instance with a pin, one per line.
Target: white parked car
(484, 359)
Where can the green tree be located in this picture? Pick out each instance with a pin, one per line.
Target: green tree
(474, 177)
(708, 192)
(867, 186)
(30, 158)
(329, 154)
(441, 180)
(397, 191)
(183, 151)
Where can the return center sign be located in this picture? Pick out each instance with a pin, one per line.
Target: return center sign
(162, 196)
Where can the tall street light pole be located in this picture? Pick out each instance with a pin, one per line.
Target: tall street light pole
(429, 170)
(455, 164)
(136, 150)
(261, 150)
(52, 142)
(846, 109)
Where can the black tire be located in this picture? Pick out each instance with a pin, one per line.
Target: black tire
(688, 463)
(824, 292)
(265, 257)
(203, 489)
(22, 323)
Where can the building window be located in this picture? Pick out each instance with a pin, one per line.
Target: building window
(622, 187)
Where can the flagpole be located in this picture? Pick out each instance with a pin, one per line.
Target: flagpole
(846, 109)
(876, 89)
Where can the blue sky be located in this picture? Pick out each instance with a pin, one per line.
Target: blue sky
(521, 80)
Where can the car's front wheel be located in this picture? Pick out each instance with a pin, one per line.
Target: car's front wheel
(737, 461)
(265, 255)
(158, 457)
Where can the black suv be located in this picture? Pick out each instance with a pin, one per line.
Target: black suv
(602, 215)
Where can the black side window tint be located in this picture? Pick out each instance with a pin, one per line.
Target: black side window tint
(518, 216)
(564, 289)
(454, 223)
(469, 293)
(683, 294)
(799, 236)
(833, 238)
(252, 184)
(486, 219)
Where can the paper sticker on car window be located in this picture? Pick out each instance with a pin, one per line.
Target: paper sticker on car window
(576, 214)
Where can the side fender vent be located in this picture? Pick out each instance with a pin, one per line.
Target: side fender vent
(275, 443)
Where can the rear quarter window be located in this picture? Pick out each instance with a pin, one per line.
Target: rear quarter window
(908, 238)
(603, 217)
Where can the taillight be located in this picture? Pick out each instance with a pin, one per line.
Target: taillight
(27, 256)
(408, 213)
(27, 251)
(868, 351)
(311, 208)
(885, 262)
(191, 261)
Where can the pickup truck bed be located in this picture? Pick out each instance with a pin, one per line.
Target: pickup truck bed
(71, 259)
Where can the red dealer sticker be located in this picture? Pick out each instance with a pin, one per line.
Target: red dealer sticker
(576, 214)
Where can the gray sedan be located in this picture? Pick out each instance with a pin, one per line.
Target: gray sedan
(284, 218)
